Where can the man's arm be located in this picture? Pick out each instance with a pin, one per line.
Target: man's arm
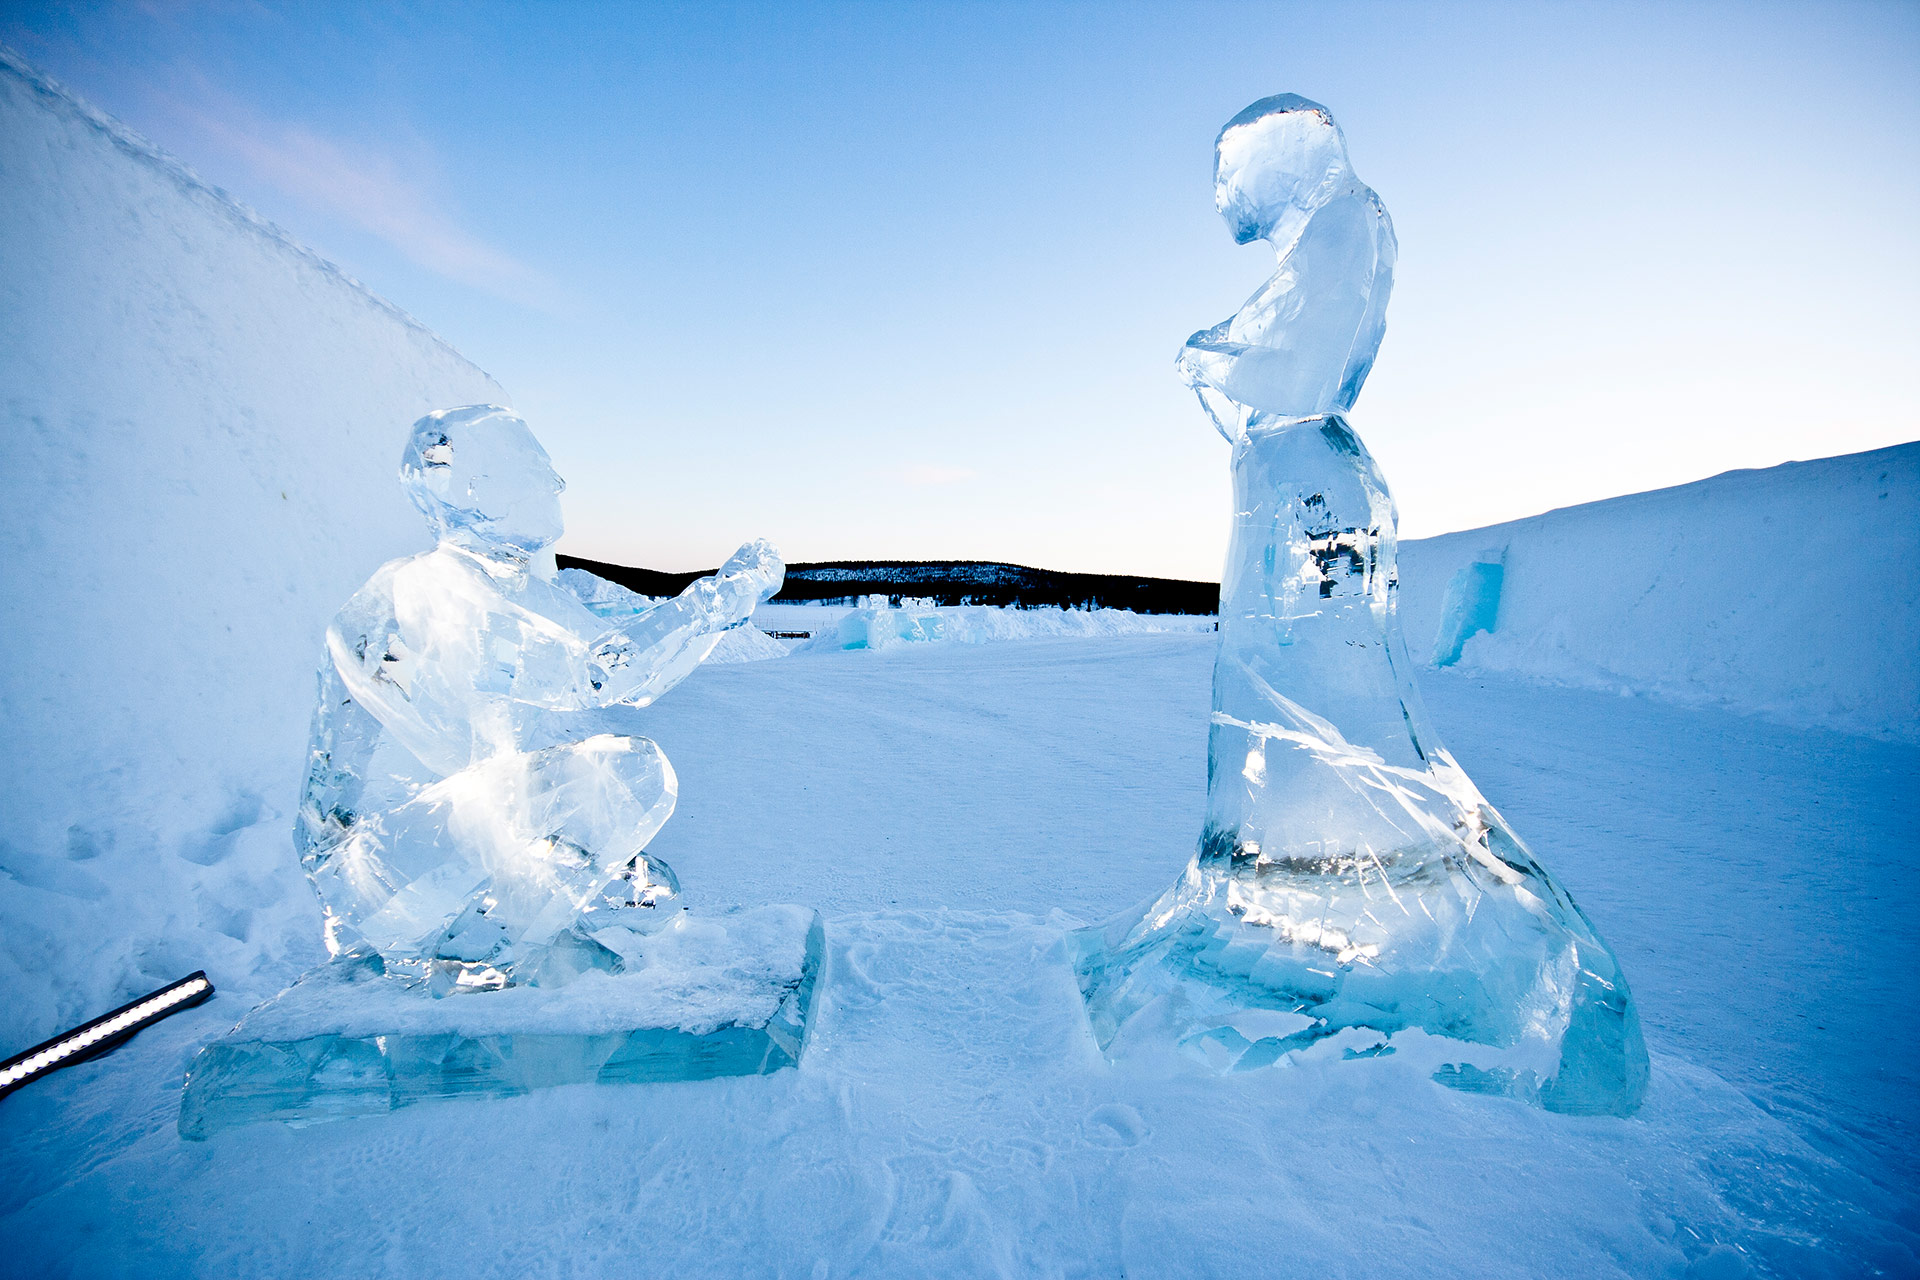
(644, 656)
(381, 672)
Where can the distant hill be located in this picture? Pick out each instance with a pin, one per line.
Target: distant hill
(946, 583)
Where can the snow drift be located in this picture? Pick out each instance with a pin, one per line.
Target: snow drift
(1788, 592)
(202, 422)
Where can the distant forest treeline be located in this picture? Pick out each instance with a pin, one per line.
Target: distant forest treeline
(944, 582)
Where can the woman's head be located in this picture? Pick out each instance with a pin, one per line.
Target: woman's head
(1275, 163)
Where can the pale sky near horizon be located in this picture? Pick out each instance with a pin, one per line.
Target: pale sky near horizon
(907, 281)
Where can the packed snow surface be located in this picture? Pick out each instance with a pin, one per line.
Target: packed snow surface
(953, 810)
(1791, 592)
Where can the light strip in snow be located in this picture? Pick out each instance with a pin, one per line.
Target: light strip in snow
(104, 1032)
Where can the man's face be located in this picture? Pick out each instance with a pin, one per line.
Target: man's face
(511, 482)
(486, 475)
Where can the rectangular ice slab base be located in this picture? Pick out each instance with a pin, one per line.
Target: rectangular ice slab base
(704, 994)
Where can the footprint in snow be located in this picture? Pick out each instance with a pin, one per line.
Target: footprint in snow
(1115, 1125)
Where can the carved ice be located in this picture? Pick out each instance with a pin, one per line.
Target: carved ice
(1471, 606)
(476, 779)
(1351, 884)
(479, 800)
(702, 994)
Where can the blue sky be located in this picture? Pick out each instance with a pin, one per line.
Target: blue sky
(907, 281)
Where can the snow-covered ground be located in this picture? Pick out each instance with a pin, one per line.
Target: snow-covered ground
(185, 510)
(952, 810)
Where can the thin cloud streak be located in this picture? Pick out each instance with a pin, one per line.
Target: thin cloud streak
(365, 188)
(926, 475)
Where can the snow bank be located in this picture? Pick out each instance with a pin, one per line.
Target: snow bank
(1788, 592)
(203, 422)
(746, 644)
(876, 626)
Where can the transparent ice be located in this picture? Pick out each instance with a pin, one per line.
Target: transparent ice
(698, 995)
(475, 818)
(478, 787)
(1351, 884)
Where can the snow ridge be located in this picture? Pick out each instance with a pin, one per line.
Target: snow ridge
(1787, 592)
(57, 97)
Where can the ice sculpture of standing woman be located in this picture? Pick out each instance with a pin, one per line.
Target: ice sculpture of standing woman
(1351, 883)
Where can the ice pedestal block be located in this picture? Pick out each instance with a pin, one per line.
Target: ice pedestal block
(1351, 886)
(1494, 971)
(699, 995)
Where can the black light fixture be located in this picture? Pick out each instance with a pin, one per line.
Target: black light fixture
(104, 1032)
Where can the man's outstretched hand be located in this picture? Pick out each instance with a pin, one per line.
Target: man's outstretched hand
(749, 576)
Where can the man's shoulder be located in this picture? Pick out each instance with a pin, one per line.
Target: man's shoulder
(441, 564)
(405, 575)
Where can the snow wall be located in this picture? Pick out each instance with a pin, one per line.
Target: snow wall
(1789, 592)
(203, 426)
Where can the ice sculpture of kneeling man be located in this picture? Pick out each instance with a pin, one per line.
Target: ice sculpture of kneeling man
(1353, 893)
(475, 818)
(476, 781)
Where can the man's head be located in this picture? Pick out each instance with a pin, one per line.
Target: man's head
(1275, 163)
(481, 479)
